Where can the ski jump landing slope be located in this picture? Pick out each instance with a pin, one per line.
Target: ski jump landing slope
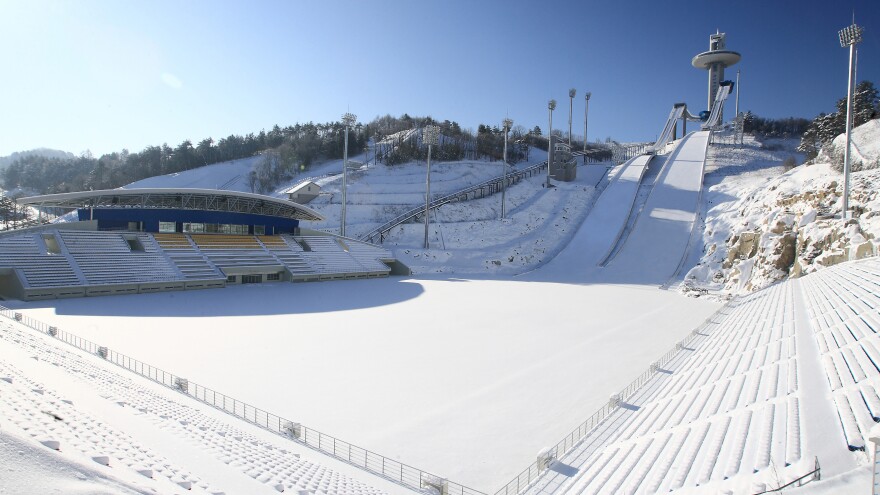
(658, 242)
(604, 225)
(654, 249)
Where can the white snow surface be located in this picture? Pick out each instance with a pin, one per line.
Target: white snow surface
(763, 223)
(467, 369)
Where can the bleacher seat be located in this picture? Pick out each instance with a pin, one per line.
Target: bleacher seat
(725, 407)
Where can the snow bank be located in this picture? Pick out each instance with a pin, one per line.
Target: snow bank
(865, 148)
(761, 228)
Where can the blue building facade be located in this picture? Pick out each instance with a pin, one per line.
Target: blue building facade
(190, 221)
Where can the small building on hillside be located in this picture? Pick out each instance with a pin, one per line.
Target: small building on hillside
(303, 192)
(563, 166)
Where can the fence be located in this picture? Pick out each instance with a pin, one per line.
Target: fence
(531, 473)
(374, 463)
(814, 475)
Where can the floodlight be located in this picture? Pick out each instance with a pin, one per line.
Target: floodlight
(587, 96)
(850, 35)
(347, 119)
(431, 134)
(506, 123)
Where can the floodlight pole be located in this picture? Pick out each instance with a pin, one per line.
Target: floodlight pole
(571, 93)
(737, 92)
(430, 135)
(506, 123)
(849, 37)
(586, 114)
(551, 105)
(347, 119)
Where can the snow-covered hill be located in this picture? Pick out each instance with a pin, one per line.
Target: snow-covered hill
(764, 224)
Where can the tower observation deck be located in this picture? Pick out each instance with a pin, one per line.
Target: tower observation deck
(715, 60)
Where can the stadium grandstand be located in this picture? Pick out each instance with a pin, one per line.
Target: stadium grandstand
(125, 241)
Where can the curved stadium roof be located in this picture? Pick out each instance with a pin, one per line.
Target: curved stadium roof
(181, 199)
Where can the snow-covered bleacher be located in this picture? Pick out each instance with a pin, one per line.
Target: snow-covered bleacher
(328, 258)
(725, 409)
(40, 269)
(108, 258)
(59, 263)
(47, 414)
(844, 311)
(368, 255)
(289, 253)
(227, 251)
(191, 263)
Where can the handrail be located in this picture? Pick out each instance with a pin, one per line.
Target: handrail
(377, 464)
(573, 439)
(512, 177)
(816, 473)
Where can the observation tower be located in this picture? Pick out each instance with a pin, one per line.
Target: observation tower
(715, 60)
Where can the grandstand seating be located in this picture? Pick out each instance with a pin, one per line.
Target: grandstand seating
(106, 258)
(288, 252)
(329, 259)
(844, 310)
(40, 269)
(726, 406)
(30, 406)
(368, 255)
(186, 256)
(123, 262)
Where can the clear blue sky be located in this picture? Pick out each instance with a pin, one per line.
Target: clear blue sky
(107, 75)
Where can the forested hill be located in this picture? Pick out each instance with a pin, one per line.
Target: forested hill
(289, 150)
(44, 152)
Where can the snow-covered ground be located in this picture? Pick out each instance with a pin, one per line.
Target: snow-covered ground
(467, 369)
(764, 223)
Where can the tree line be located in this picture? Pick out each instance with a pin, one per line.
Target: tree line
(825, 127)
(296, 148)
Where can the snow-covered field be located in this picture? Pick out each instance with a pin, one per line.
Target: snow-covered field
(466, 369)
(468, 378)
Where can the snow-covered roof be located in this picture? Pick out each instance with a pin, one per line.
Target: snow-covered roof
(297, 188)
(187, 199)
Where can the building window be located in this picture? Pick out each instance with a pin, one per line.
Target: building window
(273, 277)
(231, 279)
(251, 279)
(194, 228)
(167, 227)
(259, 230)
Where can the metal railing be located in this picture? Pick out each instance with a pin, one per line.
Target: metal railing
(814, 475)
(530, 474)
(377, 464)
(488, 187)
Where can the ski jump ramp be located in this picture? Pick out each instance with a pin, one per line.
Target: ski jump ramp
(654, 249)
(657, 244)
(603, 226)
